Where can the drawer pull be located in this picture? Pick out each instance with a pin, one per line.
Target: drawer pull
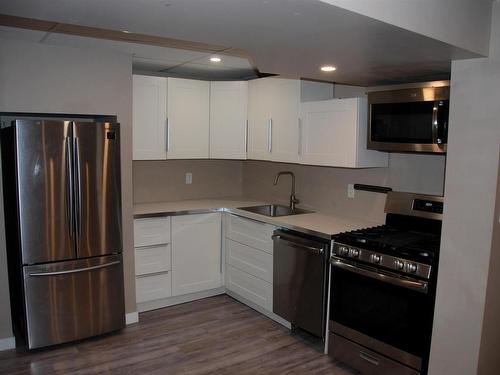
(369, 358)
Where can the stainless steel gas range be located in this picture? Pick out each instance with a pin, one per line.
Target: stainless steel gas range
(383, 282)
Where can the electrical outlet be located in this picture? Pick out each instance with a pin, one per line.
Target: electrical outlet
(189, 178)
(350, 190)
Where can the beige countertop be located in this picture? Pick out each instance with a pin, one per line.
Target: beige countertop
(323, 225)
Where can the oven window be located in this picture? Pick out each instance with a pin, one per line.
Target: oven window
(402, 122)
(394, 315)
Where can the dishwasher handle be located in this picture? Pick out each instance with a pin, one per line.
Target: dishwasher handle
(297, 245)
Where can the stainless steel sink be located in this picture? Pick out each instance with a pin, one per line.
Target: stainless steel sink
(274, 210)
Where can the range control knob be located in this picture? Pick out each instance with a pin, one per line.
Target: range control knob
(399, 264)
(375, 258)
(354, 253)
(343, 250)
(411, 267)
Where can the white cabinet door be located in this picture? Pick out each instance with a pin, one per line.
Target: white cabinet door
(188, 119)
(228, 120)
(196, 253)
(334, 134)
(250, 287)
(149, 117)
(259, 119)
(285, 120)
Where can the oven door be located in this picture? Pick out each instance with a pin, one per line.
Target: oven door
(384, 312)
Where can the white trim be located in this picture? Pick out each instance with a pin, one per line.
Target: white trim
(7, 343)
(170, 301)
(132, 318)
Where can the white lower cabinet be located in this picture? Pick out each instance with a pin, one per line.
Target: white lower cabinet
(153, 287)
(253, 261)
(196, 253)
(249, 263)
(152, 259)
(250, 287)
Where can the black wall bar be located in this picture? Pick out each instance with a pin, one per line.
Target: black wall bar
(372, 188)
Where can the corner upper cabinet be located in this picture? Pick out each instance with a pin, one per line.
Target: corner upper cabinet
(188, 119)
(334, 133)
(273, 115)
(149, 117)
(228, 120)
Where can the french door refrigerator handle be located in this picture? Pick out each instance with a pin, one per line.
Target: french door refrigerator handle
(78, 189)
(76, 270)
(416, 285)
(69, 187)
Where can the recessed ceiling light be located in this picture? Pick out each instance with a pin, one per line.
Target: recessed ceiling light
(215, 59)
(328, 68)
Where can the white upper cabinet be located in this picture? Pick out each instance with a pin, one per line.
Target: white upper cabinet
(228, 120)
(285, 120)
(149, 117)
(334, 133)
(273, 114)
(188, 119)
(259, 119)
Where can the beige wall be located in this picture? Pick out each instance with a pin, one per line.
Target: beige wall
(40, 78)
(162, 180)
(489, 360)
(470, 193)
(325, 189)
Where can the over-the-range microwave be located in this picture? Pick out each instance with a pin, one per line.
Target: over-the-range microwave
(409, 120)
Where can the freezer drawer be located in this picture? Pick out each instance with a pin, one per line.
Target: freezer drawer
(72, 300)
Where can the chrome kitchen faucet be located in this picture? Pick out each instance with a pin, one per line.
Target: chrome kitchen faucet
(293, 198)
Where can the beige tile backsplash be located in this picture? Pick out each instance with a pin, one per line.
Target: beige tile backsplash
(322, 189)
(164, 180)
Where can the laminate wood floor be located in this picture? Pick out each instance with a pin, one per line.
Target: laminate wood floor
(215, 335)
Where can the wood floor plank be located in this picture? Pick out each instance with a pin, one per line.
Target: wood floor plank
(216, 335)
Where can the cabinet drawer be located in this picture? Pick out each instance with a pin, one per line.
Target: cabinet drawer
(151, 231)
(152, 287)
(255, 262)
(152, 259)
(364, 360)
(250, 232)
(250, 287)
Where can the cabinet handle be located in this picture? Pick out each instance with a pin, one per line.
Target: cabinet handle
(300, 137)
(270, 136)
(246, 137)
(167, 132)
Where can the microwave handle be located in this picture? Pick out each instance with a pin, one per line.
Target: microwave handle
(438, 128)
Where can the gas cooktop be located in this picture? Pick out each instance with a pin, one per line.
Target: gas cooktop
(407, 244)
(404, 243)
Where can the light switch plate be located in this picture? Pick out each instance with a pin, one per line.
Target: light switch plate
(189, 178)
(350, 190)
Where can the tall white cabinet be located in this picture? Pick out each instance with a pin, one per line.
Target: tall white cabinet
(333, 133)
(149, 117)
(188, 119)
(228, 120)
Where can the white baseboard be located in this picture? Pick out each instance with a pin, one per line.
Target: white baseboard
(171, 301)
(132, 318)
(7, 343)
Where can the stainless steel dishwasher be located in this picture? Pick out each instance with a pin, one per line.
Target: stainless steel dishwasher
(299, 280)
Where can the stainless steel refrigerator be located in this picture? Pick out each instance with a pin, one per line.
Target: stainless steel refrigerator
(62, 203)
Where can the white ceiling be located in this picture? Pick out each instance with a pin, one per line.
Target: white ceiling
(288, 37)
(146, 58)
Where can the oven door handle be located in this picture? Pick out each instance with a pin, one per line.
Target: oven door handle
(413, 284)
